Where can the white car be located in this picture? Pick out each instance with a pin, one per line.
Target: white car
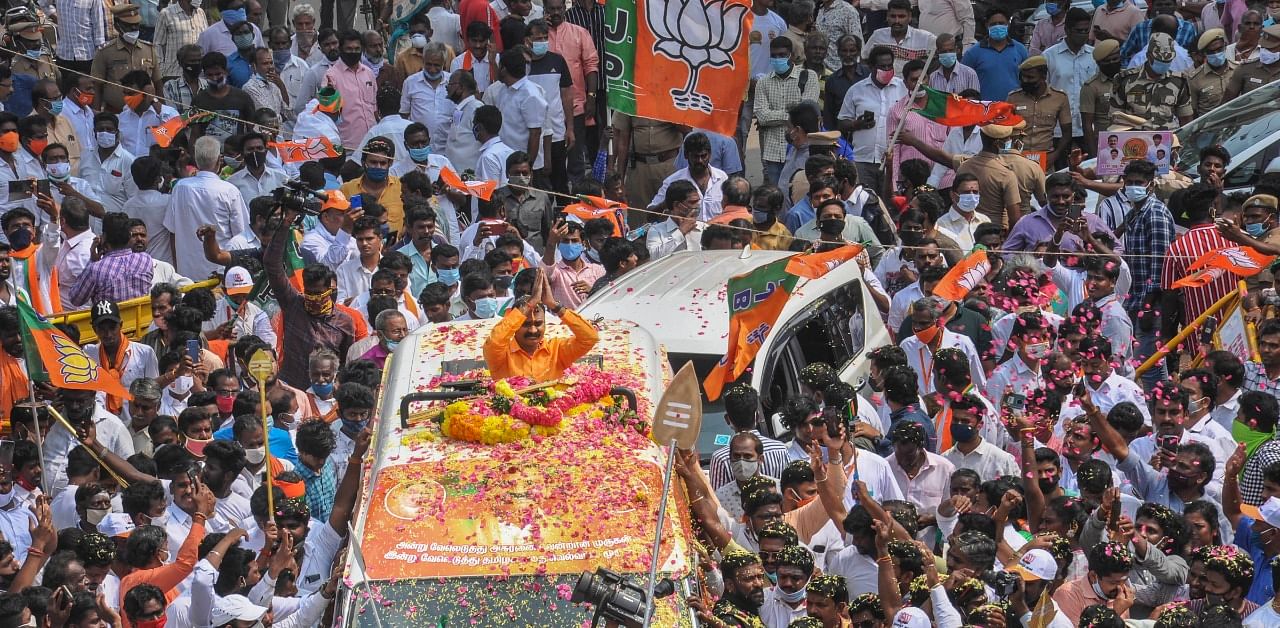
(681, 300)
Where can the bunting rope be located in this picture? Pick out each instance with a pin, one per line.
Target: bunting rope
(348, 152)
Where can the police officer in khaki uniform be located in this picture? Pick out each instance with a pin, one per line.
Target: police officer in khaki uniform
(1152, 91)
(1030, 175)
(1095, 94)
(1254, 74)
(122, 55)
(1044, 108)
(1209, 81)
(651, 147)
(34, 60)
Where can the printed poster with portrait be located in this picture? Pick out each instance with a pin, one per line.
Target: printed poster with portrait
(1117, 148)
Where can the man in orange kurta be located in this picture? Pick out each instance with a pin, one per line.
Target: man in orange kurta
(516, 346)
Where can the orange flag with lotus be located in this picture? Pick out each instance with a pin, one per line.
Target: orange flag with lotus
(305, 149)
(479, 189)
(963, 277)
(52, 357)
(682, 61)
(1240, 260)
(815, 265)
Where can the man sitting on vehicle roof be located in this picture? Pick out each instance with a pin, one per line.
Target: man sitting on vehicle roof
(515, 346)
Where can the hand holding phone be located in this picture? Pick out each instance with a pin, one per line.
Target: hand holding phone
(193, 350)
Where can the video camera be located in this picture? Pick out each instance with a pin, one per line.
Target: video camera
(297, 197)
(615, 597)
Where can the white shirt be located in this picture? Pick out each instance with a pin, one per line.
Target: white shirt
(524, 108)
(461, 146)
(775, 612)
(954, 225)
(321, 548)
(480, 68)
(712, 203)
(1114, 389)
(915, 45)
(330, 249)
(82, 121)
(764, 28)
(987, 460)
(429, 105)
(252, 320)
(1068, 72)
(957, 143)
(665, 238)
(920, 358)
(112, 178)
(203, 199)
(139, 361)
(432, 169)
(264, 94)
(445, 28)
(217, 38)
(901, 301)
(1012, 376)
(251, 187)
(353, 279)
(1071, 282)
(1224, 414)
(869, 145)
(1002, 330)
(150, 206)
(492, 164)
(73, 258)
(860, 572)
(112, 433)
(164, 272)
(391, 127)
(135, 128)
(1263, 617)
(293, 75)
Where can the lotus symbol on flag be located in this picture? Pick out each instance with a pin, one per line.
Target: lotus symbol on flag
(1239, 258)
(74, 365)
(697, 34)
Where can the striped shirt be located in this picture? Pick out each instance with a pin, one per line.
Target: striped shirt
(90, 34)
(176, 29)
(1197, 241)
(775, 459)
(119, 276)
(590, 17)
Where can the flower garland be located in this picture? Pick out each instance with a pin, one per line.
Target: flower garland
(507, 416)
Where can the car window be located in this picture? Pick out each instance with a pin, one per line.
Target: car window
(715, 431)
(1246, 173)
(1237, 126)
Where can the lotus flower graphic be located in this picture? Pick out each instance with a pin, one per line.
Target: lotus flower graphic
(73, 364)
(1240, 258)
(698, 34)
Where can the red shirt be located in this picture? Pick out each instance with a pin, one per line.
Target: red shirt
(478, 11)
(1182, 252)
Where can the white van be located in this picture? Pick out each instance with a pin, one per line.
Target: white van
(681, 300)
(454, 533)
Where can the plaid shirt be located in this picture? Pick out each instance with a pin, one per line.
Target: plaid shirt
(321, 488)
(175, 30)
(1141, 34)
(1255, 378)
(119, 276)
(1147, 236)
(90, 34)
(774, 96)
(179, 94)
(1267, 454)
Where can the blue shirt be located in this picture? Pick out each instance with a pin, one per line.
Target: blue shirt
(278, 441)
(799, 215)
(724, 153)
(1248, 540)
(238, 70)
(997, 69)
(1141, 34)
(913, 414)
(421, 275)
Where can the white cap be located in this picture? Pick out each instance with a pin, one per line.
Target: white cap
(911, 617)
(235, 607)
(1036, 564)
(116, 524)
(237, 281)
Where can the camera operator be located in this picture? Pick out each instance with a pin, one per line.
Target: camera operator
(313, 320)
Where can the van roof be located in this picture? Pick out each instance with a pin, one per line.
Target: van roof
(697, 282)
(438, 507)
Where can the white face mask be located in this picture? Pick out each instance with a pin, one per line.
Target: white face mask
(131, 37)
(181, 385)
(256, 455)
(161, 520)
(744, 469)
(6, 499)
(106, 139)
(96, 515)
(968, 202)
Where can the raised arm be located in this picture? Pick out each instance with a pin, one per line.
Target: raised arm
(1231, 486)
(344, 500)
(701, 498)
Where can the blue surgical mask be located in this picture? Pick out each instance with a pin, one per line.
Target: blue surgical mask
(433, 76)
(1160, 68)
(376, 174)
(780, 65)
(33, 53)
(354, 426)
(1098, 3)
(1216, 59)
(998, 32)
(420, 155)
(540, 48)
(1052, 8)
(1136, 193)
(486, 307)
(448, 275)
(760, 217)
(391, 344)
(1256, 229)
(324, 391)
(968, 202)
(791, 598)
(234, 16)
(569, 251)
(947, 59)
(772, 576)
(56, 107)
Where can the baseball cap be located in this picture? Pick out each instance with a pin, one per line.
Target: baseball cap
(237, 281)
(116, 524)
(1036, 564)
(911, 617)
(105, 311)
(235, 607)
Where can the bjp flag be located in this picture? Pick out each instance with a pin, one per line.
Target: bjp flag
(165, 133)
(1240, 260)
(307, 149)
(479, 189)
(681, 61)
(755, 301)
(951, 110)
(592, 207)
(1198, 279)
(963, 277)
(52, 357)
(815, 265)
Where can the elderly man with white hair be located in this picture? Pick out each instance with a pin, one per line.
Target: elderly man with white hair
(203, 199)
(304, 44)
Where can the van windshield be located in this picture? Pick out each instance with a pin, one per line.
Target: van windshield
(715, 432)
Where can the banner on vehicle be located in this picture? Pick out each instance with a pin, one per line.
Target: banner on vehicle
(1117, 148)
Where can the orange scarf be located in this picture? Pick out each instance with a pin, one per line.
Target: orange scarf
(327, 417)
(114, 364)
(411, 305)
(14, 387)
(34, 287)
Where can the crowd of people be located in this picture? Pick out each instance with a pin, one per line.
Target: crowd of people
(274, 180)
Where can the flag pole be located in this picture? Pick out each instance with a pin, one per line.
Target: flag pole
(35, 419)
(657, 536)
(911, 99)
(67, 424)
(261, 367)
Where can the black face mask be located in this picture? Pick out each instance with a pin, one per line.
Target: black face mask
(1109, 69)
(1029, 88)
(1047, 486)
(350, 58)
(910, 238)
(255, 159)
(192, 68)
(831, 226)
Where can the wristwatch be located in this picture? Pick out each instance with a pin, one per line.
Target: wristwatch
(557, 310)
